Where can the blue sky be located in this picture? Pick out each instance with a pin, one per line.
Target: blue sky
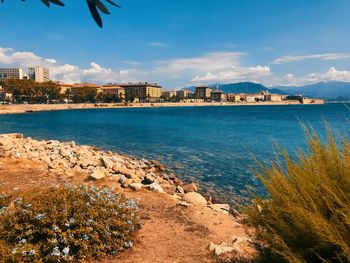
(183, 42)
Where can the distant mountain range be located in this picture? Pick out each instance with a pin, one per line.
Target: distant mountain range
(333, 90)
(327, 90)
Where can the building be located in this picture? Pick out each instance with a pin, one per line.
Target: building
(39, 74)
(203, 92)
(218, 95)
(249, 98)
(72, 89)
(231, 97)
(184, 94)
(273, 97)
(167, 95)
(142, 91)
(11, 73)
(113, 89)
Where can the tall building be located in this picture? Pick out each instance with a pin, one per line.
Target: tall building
(218, 95)
(39, 74)
(167, 95)
(142, 91)
(203, 92)
(184, 94)
(11, 73)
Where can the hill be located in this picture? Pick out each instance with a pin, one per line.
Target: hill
(327, 90)
(242, 87)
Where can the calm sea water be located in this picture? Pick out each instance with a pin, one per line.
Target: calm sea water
(212, 145)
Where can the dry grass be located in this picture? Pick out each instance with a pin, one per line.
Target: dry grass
(306, 217)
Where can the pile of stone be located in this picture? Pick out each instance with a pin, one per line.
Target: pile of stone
(70, 159)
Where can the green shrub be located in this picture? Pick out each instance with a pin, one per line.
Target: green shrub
(65, 223)
(306, 216)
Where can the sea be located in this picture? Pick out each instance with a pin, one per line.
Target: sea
(217, 147)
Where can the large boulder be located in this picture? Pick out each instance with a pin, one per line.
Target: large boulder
(190, 188)
(98, 174)
(195, 199)
(156, 188)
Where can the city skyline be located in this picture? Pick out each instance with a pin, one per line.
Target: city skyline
(182, 44)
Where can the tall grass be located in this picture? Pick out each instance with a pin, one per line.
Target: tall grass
(306, 216)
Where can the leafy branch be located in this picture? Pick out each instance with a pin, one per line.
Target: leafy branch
(95, 7)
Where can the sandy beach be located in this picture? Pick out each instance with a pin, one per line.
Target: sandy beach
(27, 108)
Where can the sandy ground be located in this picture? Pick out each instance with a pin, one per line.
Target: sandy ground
(25, 108)
(170, 233)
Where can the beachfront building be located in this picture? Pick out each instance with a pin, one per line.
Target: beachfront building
(168, 95)
(11, 73)
(184, 94)
(142, 91)
(249, 97)
(203, 92)
(218, 95)
(231, 97)
(114, 90)
(39, 74)
(273, 97)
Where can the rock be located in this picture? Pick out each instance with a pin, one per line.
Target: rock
(106, 162)
(185, 204)
(122, 170)
(64, 153)
(135, 186)
(190, 188)
(156, 188)
(180, 190)
(98, 174)
(122, 179)
(149, 179)
(177, 182)
(220, 249)
(222, 208)
(127, 183)
(195, 198)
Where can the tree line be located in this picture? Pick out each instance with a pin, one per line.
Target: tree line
(29, 91)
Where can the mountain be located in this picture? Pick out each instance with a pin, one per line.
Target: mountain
(327, 90)
(242, 87)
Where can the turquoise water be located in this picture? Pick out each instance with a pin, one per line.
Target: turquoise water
(212, 145)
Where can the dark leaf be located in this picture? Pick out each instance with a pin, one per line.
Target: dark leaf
(94, 12)
(46, 2)
(57, 2)
(112, 3)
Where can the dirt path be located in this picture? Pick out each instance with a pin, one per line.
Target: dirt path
(170, 233)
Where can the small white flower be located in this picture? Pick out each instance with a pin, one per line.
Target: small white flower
(56, 252)
(65, 251)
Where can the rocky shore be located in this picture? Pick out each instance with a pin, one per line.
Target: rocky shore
(212, 227)
(71, 159)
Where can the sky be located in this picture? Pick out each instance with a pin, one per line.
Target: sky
(182, 43)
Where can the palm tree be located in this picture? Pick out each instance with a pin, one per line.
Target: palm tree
(94, 6)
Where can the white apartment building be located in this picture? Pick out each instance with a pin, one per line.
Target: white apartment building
(39, 74)
(11, 73)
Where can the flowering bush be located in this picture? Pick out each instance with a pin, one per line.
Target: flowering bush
(65, 223)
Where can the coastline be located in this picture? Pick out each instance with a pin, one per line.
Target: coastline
(28, 108)
(182, 217)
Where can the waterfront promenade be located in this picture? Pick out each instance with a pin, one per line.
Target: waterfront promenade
(26, 108)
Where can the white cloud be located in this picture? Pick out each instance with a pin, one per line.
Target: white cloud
(174, 73)
(23, 59)
(295, 58)
(235, 74)
(208, 62)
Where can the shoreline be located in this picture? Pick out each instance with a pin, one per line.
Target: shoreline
(181, 216)
(29, 108)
